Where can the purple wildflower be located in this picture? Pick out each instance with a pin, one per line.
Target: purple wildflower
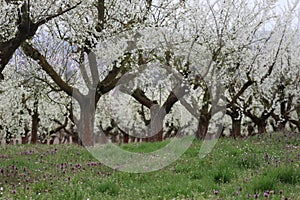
(216, 192)
(266, 194)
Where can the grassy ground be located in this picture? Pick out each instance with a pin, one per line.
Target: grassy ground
(259, 167)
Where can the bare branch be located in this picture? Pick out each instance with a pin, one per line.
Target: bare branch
(49, 69)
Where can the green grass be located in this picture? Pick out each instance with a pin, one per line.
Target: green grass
(237, 169)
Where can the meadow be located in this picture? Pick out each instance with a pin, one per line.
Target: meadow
(259, 167)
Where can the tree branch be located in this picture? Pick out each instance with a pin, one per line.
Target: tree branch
(50, 17)
(26, 29)
(42, 61)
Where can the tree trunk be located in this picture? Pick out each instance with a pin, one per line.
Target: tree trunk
(76, 139)
(86, 123)
(158, 112)
(261, 127)
(202, 130)
(156, 125)
(203, 126)
(125, 138)
(279, 124)
(160, 133)
(51, 141)
(35, 123)
(250, 130)
(25, 139)
(132, 139)
(157, 137)
(236, 127)
(260, 122)
(236, 120)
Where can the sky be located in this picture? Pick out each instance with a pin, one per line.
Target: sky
(284, 4)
